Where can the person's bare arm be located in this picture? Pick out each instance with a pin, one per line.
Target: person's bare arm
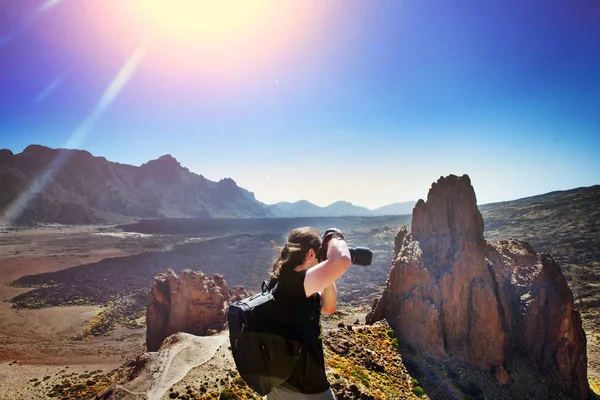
(329, 296)
(325, 273)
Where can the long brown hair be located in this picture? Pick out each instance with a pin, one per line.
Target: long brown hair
(300, 240)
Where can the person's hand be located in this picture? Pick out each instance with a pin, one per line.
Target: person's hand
(326, 238)
(333, 232)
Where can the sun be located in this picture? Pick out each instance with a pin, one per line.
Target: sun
(201, 20)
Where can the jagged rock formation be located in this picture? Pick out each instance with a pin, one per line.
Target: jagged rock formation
(453, 296)
(191, 303)
(72, 186)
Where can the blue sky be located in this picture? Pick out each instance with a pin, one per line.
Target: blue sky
(364, 101)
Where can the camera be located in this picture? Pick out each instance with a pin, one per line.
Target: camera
(361, 255)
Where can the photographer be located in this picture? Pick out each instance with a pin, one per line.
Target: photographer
(306, 270)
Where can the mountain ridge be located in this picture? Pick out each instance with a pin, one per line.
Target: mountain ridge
(76, 187)
(72, 186)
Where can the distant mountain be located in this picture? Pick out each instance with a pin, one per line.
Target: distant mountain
(304, 208)
(404, 208)
(344, 208)
(74, 187)
(300, 208)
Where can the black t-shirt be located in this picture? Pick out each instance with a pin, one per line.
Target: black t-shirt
(302, 316)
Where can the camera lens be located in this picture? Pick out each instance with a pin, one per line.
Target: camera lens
(361, 255)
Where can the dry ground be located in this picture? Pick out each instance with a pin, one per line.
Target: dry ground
(36, 346)
(37, 350)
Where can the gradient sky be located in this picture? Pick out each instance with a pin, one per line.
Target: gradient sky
(364, 101)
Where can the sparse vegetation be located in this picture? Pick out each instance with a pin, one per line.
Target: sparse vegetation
(83, 386)
(364, 363)
(123, 311)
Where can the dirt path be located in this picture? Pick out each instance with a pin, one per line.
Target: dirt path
(172, 364)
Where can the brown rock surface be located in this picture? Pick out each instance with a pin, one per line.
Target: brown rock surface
(453, 296)
(192, 303)
(544, 325)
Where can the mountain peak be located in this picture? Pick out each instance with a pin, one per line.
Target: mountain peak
(227, 182)
(6, 155)
(341, 203)
(32, 148)
(37, 149)
(163, 161)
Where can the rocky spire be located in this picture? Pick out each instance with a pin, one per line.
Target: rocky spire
(453, 296)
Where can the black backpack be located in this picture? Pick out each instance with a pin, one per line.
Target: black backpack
(263, 356)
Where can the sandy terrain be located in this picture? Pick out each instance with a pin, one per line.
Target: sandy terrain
(38, 343)
(37, 350)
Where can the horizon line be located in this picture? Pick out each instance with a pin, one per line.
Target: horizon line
(284, 201)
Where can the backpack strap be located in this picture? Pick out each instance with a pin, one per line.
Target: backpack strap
(269, 286)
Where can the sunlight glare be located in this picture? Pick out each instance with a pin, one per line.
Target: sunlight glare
(204, 20)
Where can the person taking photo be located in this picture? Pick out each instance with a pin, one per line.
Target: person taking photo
(306, 271)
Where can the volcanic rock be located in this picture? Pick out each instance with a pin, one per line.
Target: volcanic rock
(454, 296)
(399, 239)
(192, 303)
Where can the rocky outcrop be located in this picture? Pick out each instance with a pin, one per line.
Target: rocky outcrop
(453, 296)
(192, 303)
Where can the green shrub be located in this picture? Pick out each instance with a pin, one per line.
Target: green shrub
(418, 391)
(228, 394)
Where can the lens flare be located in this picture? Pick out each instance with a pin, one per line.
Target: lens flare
(16, 208)
(47, 5)
(28, 21)
(48, 90)
(108, 97)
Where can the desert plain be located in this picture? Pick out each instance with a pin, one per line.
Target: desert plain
(54, 338)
